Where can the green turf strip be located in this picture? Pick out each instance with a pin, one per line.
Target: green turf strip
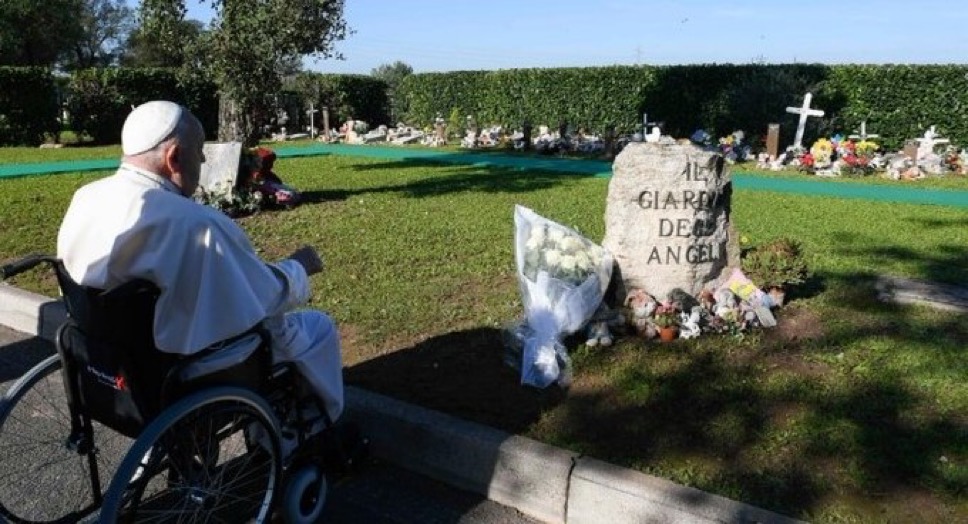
(588, 167)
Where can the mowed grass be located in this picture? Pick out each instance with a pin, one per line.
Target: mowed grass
(850, 411)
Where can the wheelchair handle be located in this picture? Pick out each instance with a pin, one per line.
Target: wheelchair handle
(24, 264)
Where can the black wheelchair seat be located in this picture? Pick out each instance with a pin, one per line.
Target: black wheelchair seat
(116, 372)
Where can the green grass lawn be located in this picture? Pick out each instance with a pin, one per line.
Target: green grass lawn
(849, 411)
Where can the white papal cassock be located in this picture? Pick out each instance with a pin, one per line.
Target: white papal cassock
(136, 224)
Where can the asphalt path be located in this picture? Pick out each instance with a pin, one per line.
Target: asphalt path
(379, 493)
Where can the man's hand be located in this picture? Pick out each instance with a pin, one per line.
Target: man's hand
(308, 259)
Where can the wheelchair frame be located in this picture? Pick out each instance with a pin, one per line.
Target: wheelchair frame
(253, 403)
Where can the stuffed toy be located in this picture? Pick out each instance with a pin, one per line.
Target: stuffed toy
(599, 330)
(641, 305)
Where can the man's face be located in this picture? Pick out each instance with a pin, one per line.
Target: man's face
(191, 158)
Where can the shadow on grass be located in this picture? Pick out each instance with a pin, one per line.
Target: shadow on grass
(778, 420)
(947, 264)
(460, 373)
(463, 179)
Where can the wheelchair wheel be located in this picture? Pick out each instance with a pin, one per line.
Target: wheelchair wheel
(42, 478)
(305, 495)
(211, 457)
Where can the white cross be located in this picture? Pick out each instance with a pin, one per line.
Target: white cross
(804, 112)
(928, 141)
(863, 133)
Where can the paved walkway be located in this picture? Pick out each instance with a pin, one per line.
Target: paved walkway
(742, 181)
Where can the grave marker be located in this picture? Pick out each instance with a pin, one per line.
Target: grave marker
(667, 218)
(805, 112)
(927, 143)
(773, 141)
(221, 165)
(863, 133)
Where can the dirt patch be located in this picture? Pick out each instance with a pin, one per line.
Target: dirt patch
(796, 324)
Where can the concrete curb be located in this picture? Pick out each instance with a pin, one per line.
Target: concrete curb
(541, 481)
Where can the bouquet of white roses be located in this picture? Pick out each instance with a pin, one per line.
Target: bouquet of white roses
(563, 277)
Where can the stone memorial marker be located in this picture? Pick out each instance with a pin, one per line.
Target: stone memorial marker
(326, 122)
(667, 218)
(221, 165)
(773, 141)
(804, 113)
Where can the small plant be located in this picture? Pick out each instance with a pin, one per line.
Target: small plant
(775, 264)
(666, 316)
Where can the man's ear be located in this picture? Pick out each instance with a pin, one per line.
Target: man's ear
(171, 158)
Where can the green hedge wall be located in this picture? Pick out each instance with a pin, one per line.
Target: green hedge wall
(28, 105)
(898, 102)
(100, 99)
(358, 96)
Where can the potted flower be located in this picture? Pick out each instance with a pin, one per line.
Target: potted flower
(667, 320)
(776, 266)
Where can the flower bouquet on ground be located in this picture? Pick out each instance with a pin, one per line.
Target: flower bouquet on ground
(563, 277)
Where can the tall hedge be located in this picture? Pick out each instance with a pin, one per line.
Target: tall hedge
(28, 105)
(346, 96)
(898, 102)
(100, 99)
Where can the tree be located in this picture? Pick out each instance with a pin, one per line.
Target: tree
(38, 33)
(393, 74)
(247, 50)
(142, 51)
(106, 25)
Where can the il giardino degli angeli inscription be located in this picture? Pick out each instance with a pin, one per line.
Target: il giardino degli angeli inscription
(667, 218)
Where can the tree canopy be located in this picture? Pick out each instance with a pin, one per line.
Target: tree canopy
(105, 27)
(38, 33)
(247, 48)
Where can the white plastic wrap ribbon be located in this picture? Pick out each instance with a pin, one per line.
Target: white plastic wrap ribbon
(563, 277)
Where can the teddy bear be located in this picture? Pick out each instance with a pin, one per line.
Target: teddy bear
(641, 305)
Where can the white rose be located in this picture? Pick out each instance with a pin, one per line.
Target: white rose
(572, 244)
(552, 257)
(582, 260)
(533, 243)
(568, 263)
(537, 235)
(556, 235)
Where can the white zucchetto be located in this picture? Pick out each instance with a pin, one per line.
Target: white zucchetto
(148, 125)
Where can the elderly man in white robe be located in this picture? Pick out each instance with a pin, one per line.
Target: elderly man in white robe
(142, 223)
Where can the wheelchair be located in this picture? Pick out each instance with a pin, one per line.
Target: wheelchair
(111, 429)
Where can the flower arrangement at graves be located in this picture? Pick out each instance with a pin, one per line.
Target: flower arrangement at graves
(562, 276)
(954, 161)
(255, 173)
(822, 152)
(666, 319)
(733, 149)
(231, 199)
(857, 158)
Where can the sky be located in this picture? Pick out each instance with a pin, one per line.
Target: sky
(452, 35)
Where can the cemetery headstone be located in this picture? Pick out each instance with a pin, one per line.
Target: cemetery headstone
(526, 130)
(911, 149)
(609, 141)
(927, 143)
(773, 141)
(667, 218)
(805, 112)
(221, 166)
(326, 121)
